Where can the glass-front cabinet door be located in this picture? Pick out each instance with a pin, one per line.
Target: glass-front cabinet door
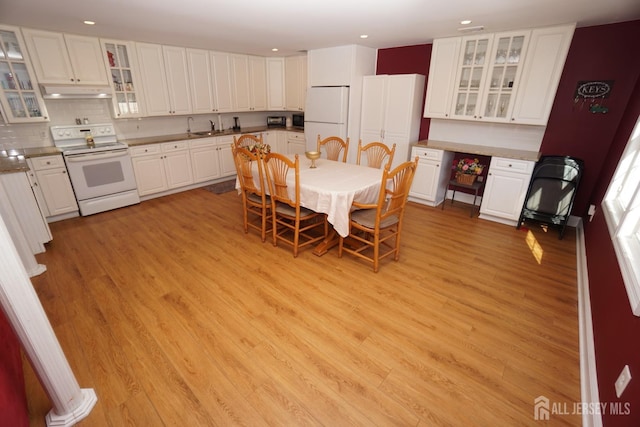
(507, 55)
(120, 62)
(471, 75)
(21, 101)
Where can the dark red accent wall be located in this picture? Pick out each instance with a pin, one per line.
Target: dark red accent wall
(607, 52)
(596, 53)
(13, 404)
(616, 330)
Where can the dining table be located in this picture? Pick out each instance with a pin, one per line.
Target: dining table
(331, 188)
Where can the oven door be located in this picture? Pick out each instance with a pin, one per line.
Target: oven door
(100, 174)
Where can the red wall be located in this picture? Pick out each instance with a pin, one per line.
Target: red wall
(607, 52)
(616, 330)
(13, 404)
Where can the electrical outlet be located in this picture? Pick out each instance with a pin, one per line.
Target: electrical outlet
(623, 380)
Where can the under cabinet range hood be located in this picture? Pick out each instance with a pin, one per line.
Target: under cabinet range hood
(74, 92)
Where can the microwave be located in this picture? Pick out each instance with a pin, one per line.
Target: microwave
(297, 121)
(276, 121)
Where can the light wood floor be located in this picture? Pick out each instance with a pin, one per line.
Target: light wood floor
(177, 318)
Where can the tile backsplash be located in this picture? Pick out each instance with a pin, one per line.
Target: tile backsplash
(65, 112)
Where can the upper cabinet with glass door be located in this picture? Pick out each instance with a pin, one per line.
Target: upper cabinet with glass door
(472, 70)
(21, 102)
(120, 61)
(505, 67)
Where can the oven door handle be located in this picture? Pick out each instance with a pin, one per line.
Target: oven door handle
(96, 156)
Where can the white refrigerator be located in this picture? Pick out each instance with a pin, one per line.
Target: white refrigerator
(325, 114)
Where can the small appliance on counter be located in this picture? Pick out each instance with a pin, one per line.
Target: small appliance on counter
(276, 121)
(236, 125)
(297, 120)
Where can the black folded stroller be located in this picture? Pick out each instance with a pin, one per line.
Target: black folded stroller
(552, 190)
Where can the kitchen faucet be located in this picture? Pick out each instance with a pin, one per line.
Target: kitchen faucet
(189, 124)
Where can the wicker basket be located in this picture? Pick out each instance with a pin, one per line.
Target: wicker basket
(465, 178)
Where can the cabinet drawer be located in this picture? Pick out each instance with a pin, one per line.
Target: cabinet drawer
(426, 153)
(167, 147)
(511, 165)
(47, 162)
(295, 136)
(144, 150)
(202, 142)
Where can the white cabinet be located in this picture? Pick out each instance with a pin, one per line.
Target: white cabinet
(175, 63)
(249, 83)
(177, 163)
(275, 84)
(121, 63)
(52, 185)
(212, 158)
(506, 189)
(547, 52)
(161, 167)
(210, 81)
(295, 82)
(205, 159)
(240, 74)
(441, 81)
(148, 167)
(222, 82)
(430, 182)
(341, 65)
(295, 143)
(20, 100)
(509, 77)
(391, 111)
(201, 80)
(276, 139)
(165, 79)
(66, 59)
(257, 83)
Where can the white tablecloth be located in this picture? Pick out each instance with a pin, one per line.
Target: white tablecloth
(333, 186)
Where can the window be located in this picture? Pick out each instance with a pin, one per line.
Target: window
(621, 207)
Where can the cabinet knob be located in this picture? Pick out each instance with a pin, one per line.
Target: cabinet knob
(64, 171)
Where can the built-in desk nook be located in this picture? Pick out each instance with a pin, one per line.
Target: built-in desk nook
(505, 187)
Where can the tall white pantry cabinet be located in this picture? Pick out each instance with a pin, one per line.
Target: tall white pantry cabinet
(392, 111)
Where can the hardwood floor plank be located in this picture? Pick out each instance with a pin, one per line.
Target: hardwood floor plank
(175, 316)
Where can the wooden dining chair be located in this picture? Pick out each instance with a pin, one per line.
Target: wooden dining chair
(292, 223)
(256, 205)
(376, 152)
(334, 146)
(247, 140)
(374, 229)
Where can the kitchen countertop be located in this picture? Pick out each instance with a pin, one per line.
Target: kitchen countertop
(480, 150)
(185, 136)
(15, 159)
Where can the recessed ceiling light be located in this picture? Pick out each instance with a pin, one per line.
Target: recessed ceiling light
(363, 36)
(275, 49)
(465, 22)
(90, 22)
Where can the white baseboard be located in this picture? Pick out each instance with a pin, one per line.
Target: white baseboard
(588, 374)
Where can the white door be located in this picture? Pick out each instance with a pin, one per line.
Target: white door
(313, 129)
(327, 104)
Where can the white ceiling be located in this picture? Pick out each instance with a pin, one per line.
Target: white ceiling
(256, 26)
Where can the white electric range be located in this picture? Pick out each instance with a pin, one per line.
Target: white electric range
(99, 166)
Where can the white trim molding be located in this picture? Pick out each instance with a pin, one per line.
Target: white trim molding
(588, 374)
(28, 319)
